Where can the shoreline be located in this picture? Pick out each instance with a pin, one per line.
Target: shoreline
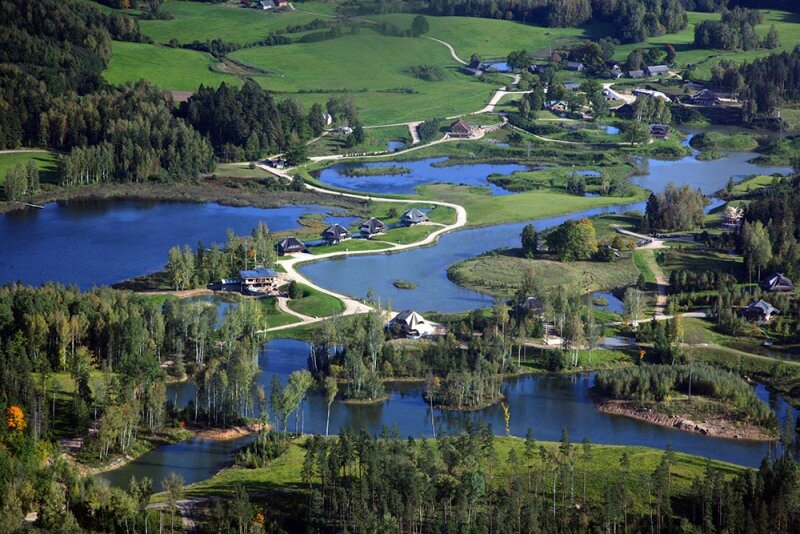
(717, 427)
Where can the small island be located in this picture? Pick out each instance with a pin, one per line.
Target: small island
(694, 398)
(358, 172)
(404, 284)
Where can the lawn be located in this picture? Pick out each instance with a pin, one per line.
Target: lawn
(275, 317)
(282, 480)
(699, 258)
(375, 74)
(351, 245)
(375, 140)
(501, 274)
(493, 38)
(645, 262)
(484, 209)
(314, 303)
(169, 68)
(45, 161)
(229, 22)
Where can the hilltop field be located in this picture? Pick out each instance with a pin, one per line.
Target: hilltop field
(374, 68)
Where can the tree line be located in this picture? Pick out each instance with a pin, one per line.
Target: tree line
(735, 31)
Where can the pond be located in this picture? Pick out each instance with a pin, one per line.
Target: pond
(423, 171)
(610, 130)
(221, 304)
(393, 146)
(708, 176)
(544, 403)
(614, 305)
(109, 241)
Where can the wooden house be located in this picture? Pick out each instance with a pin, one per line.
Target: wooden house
(413, 217)
(291, 245)
(778, 283)
(413, 325)
(258, 280)
(460, 129)
(335, 233)
(759, 312)
(372, 227)
(659, 131)
(657, 70)
(576, 66)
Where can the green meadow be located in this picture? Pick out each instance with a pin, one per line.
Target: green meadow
(45, 161)
(169, 68)
(230, 22)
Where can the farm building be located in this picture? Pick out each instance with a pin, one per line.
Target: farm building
(461, 130)
(778, 283)
(372, 227)
(575, 65)
(412, 217)
(636, 74)
(411, 324)
(759, 312)
(335, 233)
(291, 245)
(616, 71)
(657, 70)
(258, 280)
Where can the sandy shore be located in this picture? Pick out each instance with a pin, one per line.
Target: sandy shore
(720, 427)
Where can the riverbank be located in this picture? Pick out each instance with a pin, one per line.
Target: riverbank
(721, 426)
(238, 193)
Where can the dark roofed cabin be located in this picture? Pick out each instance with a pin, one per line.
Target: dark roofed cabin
(412, 217)
(460, 129)
(778, 283)
(759, 312)
(291, 245)
(659, 131)
(574, 65)
(372, 227)
(657, 70)
(335, 233)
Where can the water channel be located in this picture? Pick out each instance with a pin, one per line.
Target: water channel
(544, 403)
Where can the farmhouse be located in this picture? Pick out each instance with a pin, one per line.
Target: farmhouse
(372, 227)
(657, 70)
(709, 98)
(291, 245)
(335, 233)
(538, 69)
(412, 217)
(778, 283)
(533, 305)
(258, 280)
(636, 74)
(413, 325)
(759, 312)
(558, 106)
(461, 130)
(616, 71)
(611, 95)
(659, 131)
(575, 65)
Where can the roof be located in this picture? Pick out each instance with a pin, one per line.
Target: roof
(410, 318)
(414, 215)
(636, 73)
(258, 273)
(574, 65)
(336, 230)
(372, 226)
(657, 69)
(778, 281)
(533, 303)
(571, 86)
(291, 242)
(461, 127)
(762, 306)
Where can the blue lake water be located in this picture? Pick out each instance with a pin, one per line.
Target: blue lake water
(614, 305)
(422, 172)
(105, 242)
(395, 145)
(544, 403)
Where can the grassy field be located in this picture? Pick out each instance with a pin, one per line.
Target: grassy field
(373, 68)
(501, 274)
(229, 21)
(375, 140)
(282, 480)
(786, 23)
(486, 209)
(45, 161)
(645, 262)
(276, 317)
(169, 68)
(699, 258)
(315, 303)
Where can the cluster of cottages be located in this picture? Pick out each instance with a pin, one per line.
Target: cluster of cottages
(762, 312)
(265, 4)
(336, 233)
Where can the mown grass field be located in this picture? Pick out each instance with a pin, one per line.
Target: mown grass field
(229, 21)
(316, 304)
(169, 68)
(501, 274)
(283, 482)
(45, 161)
(373, 68)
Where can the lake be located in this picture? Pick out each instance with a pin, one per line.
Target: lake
(109, 241)
(544, 403)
